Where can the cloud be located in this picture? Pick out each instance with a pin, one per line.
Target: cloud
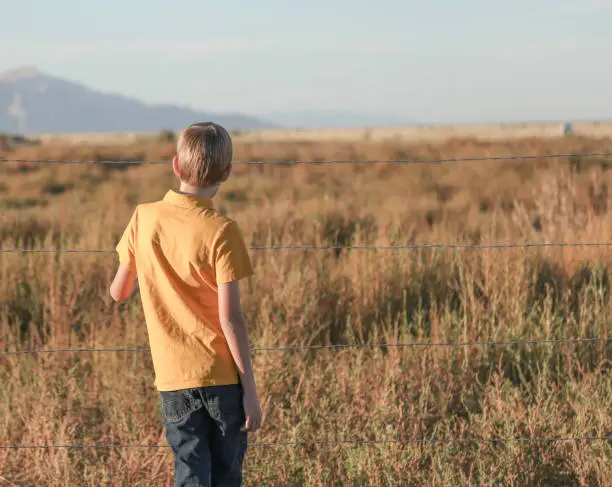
(194, 48)
(585, 5)
(159, 47)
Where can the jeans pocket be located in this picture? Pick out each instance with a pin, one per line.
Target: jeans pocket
(177, 405)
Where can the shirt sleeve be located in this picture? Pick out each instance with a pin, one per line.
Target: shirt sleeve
(231, 258)
(125, 247)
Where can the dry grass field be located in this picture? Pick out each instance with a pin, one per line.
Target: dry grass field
(427, 133)
(318, 297)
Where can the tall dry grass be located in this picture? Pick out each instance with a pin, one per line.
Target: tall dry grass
(322, 297)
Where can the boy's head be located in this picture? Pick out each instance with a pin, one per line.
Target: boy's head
(203, 155)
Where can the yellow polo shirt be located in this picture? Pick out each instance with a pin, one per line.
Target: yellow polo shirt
(181, 250)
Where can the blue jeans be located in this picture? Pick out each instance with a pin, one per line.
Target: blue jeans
(203, 429)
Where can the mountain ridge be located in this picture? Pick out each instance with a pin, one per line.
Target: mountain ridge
(337, 118)
(34, 102)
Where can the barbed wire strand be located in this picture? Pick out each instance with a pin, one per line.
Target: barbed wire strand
(339, 161)
(344, 247)
(333, 347)
(330, 443)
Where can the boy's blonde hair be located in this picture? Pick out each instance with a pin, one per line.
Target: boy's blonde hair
(204, 152)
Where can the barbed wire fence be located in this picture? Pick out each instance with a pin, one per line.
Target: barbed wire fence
(509, 157)
(435, 441)
(343, 442)
(343, 247)
(301, 348)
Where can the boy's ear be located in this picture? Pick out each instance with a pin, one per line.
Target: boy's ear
(175, 166)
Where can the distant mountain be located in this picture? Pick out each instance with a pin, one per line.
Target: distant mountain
(33, 102)
(337, 118)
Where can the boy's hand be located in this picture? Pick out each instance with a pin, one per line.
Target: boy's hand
(253, 413)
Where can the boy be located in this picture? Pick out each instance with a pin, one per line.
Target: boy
(187, 260)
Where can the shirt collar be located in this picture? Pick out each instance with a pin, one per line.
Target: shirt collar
(188, 200)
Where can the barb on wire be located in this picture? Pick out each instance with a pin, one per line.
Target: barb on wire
(339, 161)
(344, 247)
(416, 441)
(335, 347)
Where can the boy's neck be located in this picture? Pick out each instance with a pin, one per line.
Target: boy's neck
(197, 191)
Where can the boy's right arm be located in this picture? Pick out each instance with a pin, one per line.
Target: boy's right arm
(235, 331)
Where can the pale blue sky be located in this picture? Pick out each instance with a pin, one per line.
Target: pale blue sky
(431, 60)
